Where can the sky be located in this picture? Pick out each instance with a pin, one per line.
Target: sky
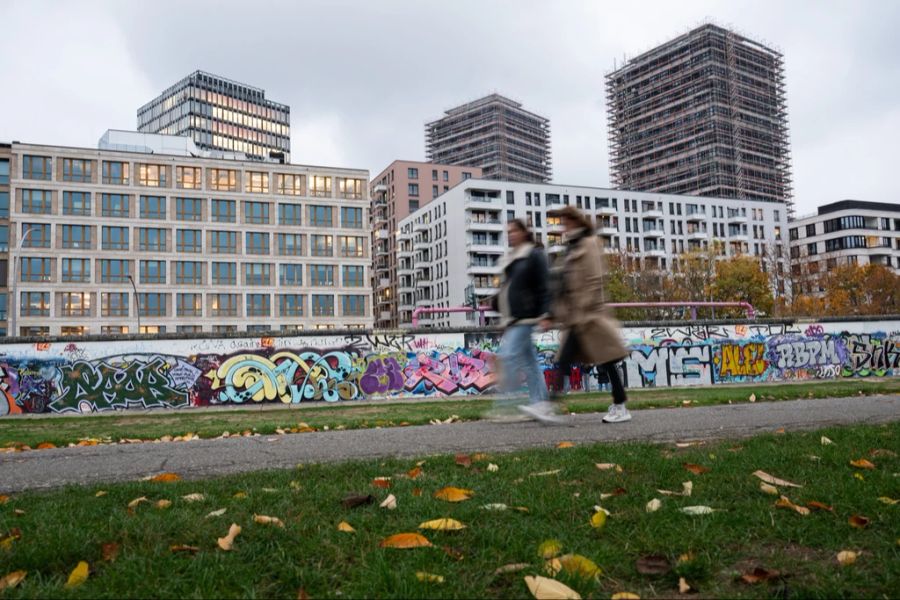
(363, 77)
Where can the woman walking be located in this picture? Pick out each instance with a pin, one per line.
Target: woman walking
(590, 335)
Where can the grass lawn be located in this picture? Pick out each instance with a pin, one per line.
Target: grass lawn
(559, 487)
(212, 423)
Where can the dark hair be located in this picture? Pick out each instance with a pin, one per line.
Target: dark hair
(521, 226)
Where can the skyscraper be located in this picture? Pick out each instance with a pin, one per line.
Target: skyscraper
(220, 114)
(704, 114)
(496, 134)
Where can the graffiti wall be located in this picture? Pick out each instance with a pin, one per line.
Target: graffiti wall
(117, 375)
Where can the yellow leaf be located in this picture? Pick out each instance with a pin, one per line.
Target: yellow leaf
(846, 557)
(266, 520)
(216, 513)
(859, 476)
(886, 500)
(575, 564)
(685, 558)
(768, 489)
(784, 502)
(545, 473)
(227, 543)
(414, 473)
(100, 494)
(78, 575)
(625, 596)
(163, 504)
(137, 501)
(543, 588)
(389, 503)
(166, 477)
(240, 495)
(453, 494)
(511, 568)
(184, 548)
(549, 548)
(683, 586)
(405, 540)
(429, 577)
(862, 464)
(11, 580)
(565, 445)
(598, 519)
(345, 527)
(654, 505)
(774, 480)
(194, 497)
(443, 525)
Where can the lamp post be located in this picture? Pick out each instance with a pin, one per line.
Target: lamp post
(15, 278)
(137, 302)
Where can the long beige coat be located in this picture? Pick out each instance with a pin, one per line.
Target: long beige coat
(581, 310)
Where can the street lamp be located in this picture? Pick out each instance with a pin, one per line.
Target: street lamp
(137, 301)
(15, 278)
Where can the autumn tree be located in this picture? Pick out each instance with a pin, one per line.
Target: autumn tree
(850, 289)
(741, 279)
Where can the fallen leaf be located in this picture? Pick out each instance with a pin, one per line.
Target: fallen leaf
(405, 540)
(137, 501)
(687, 489)
(543, 588)
(683, 587)
(888, 501)
(846, 557)
(545, 473)
(454, 553)
(565, 445)
(417, 492)
(697, 510)
(429, 577)
(453, 494)
(240, 495)
(825, 441)
(819, 506)
(616, 492)
(163, 504)
(46, 446)
(859, 476)
(11, 580)
(463, 460)
(382, 482)
(354, 500)
(216, 513)
(784, 502)
(653, 564)
(78, 575)
(859, 522)
(575, 564)
(879, 452)
(100, 494)
(774, 480)
(267, 520)
(598, 519)
(549, 548)
(19, 512)
(302, 595)
(492, 468)
(227, 542)
(654, 505)
(759, 574)
(345, 527)
(862, 463)
(194, 497)
(780, 431)
(625, 596)
(166, 477)
(184, 548)
(696, 469)
(752, 398)
(689, 444)
(442, 525)
(768, 489)
(608, 467)
(511, 568)
(414, 473)
(110, 551)
(389, 503)
(295, 485)
(686, 557)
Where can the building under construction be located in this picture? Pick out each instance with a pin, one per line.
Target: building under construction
(704, 114)
(496, 134)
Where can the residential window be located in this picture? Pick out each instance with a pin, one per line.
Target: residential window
(4, 239)
(537, 199)
(76, 236)
(151, 239)
(189, 305)
(36, 269)
(256, 212)
(34, 331)
(351, 218)
(223, 305)
(353, 276)
(257, 274)
(114, 270)
(321, 275)
(322, 306)
(352, 246)
(4, 205)
(527, 198)
(434, 191)
(224, 273)
(466, 175)
(320, 186)
(188, 240)
(223, 242)
(811, 230)
(257, 243)
(153, 271)
(320, 216)
(189, 272)
(115, 172)
(321, 245)
(413, 189)
(223, 180)
(115, 238)
(290, 244)
(75, 304)
(413, 205)
(151, 175)
(76, 270)
(350, 188)
(412, 173)
(77, 170)
(290, 214)
(39, 236)
(290, 275)
(289, 185)
(188, 328)
(259, 305)
(37, 202)
(115, 205)
(354, 306)
(446, 176)
(224, 211)
(36, 167)
(35, 304)
(224, 328)
(290, 305)
(434, 175)
(189, 209)
(257, 182)
(812, 248)
(152, 304)
(114, 304)
(153, 207)
(4, 172)
(188, 178)
(777, 214)
(510, 197)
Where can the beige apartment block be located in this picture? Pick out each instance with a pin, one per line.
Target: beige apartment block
(399, 190)
(115, 241)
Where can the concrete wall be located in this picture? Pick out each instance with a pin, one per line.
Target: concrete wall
(169, 372)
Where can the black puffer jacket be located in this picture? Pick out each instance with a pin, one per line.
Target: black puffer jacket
(525, 283)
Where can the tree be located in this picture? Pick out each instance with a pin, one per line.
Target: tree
(741, 279)
(850, 289)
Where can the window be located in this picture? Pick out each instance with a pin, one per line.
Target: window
(223, 180)
(257, 274)
(153, 271)
(413, 205)
(289, 185)
(811, 230)
(321, 275)
(352, 246)
(350, 188)
(151, 175)
(115, 172)
(290, 305)
(76, 236)
(77, 170)
(36, 202)
(320, 216)
(34, 331)
(188, 240)
(537, 220)
(257, 243)
(36, 167)
(259, 305)
(510, 197)
(189, 209)
(114, 271)
(223, 305)
(75, 304)
(223, 242)
(224, 211)
(189, 272)
(115, 205)
(152, 304)
(812, 249)
(76, 270)
(224, 273)
(189, 305)
(322, 306)
(353, 276)
(256, 212)
(36, 269)
(466, 175)
(114, 304)
(290, 244)
(257, 182)
(446, 176)
(290, 275)
(4, 172)
(188, 178)
(321, 245)
(224, 328)
(434, 191)
(290, 214)
(189, 328)
(153, 207)
(39, 236)
(35, 304)
(4, 204)
(151, 240)
(354, 306)
(413, 173)
(4, 239)
(527, 198)
(413, 189)
(320, 186)
(351, 218)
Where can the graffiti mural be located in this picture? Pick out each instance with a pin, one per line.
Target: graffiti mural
(92, 377)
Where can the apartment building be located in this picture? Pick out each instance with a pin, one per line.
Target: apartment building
(115, 241)
(849, 231)
(403, 187)
(456, 241)
(496, 134)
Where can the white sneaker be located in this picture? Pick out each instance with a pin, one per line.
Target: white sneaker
(617, 413)
(545, 412)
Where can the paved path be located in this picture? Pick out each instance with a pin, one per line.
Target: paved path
(204, 458)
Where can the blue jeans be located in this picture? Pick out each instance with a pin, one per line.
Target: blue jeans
(518, 356)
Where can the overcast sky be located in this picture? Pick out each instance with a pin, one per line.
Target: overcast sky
(363, 77)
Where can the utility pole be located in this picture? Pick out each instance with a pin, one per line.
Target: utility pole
(14, 304)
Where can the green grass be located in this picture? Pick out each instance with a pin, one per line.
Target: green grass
(63, 527)
(62, 430)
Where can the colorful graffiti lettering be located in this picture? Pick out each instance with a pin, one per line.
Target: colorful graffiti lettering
(741, 360)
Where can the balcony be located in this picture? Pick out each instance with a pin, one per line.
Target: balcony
(485, 291)
(383, 283)
(695, 217)
(608, 230)
(382, 234)
(424, 303)
(607, 211)
(484, 247)
(653, 232)
(482, 269)
(653, 213)
(419, 245)
(735, 217)
(380, 189)
(481, 201)
(698, 236)
(384, 315)
(738, 237)
(420, 227)
(488, 225)
(654, 253)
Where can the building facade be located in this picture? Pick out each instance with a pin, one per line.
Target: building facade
(496, 134)
(220, 115)
(704, 114)
(403, 187)
(109, 241)
(845, 232)
(456, 241)
(5, 160)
